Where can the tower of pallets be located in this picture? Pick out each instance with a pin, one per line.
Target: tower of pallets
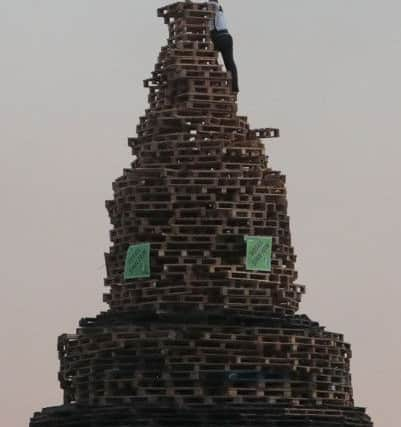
(202, 341)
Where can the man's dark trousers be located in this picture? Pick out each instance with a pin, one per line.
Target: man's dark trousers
(223, 42)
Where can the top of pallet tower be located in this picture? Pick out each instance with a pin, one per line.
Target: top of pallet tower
(187, 9)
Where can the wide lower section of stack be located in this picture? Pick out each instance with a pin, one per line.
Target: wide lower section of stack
(214, 360)
(239, 416)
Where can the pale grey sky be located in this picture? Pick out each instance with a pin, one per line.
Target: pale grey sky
(327, 72)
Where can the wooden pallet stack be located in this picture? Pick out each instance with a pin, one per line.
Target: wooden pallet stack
(202, 340)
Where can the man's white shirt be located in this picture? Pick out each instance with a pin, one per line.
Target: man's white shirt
(219, 22)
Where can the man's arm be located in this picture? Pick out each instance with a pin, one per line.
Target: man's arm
(215, 6)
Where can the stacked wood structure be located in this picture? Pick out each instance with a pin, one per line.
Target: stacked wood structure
(202, 341)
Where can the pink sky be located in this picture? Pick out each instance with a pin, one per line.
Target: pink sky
(326, 73)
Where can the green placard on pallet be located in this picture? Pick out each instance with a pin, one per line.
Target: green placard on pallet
(137, 262)
(259, 253)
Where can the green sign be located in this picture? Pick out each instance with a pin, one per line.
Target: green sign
(137, 262)
(259, 253)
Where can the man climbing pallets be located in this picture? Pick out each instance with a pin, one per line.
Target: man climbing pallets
(223, 42)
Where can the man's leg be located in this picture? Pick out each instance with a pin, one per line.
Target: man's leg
(227, 51)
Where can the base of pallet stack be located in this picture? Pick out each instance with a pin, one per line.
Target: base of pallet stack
(216, 361)
(257, 416)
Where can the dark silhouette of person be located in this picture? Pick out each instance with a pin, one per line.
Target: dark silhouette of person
(223, 42)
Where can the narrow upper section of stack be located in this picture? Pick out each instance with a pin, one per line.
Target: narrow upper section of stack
(199, 185)
(191, 94)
